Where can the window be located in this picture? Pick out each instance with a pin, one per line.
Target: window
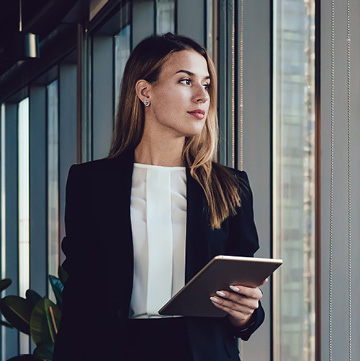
(23, 194)
(23, 113)
(53, 177)
(3, 213)
(3, 192)
(294, 164)
(209, 27)
(165, 16)
(122, 53)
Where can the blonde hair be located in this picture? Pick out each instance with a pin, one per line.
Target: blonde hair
(221, 187)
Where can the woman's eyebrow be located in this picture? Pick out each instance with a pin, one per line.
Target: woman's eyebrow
(190, 73)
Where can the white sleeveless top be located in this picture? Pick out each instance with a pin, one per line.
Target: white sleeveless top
(158, 220)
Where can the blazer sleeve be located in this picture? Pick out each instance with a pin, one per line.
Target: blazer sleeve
(243, 241)
(75, 326)
(76, 245)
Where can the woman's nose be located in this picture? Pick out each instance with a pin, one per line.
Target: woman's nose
(201, 94)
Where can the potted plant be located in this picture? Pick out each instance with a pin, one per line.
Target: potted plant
(36, 316)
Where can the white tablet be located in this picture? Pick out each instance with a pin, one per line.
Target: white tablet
(221, 272)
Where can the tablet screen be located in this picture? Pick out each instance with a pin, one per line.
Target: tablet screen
(221, 272)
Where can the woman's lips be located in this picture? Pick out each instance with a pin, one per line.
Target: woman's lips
(198, 113)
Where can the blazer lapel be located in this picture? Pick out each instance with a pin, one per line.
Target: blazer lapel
(116, 223)
(196, 228)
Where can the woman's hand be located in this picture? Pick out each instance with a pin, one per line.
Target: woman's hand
(240, 303)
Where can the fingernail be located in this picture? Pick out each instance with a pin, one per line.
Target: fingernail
(220, 293)
(235, 289)
(214, 299)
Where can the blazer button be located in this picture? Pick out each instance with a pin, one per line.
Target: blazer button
(121, 313)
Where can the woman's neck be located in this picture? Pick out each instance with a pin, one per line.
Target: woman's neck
(161, 152)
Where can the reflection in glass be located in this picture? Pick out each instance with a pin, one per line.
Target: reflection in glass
(294, 163)
(122, 53)
(23, 204)
(165, 16)
(53, 179)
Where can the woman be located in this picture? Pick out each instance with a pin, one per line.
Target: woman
(142, 222)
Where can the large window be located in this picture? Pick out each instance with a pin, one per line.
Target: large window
(122, 53)
(53, 177)
(294, 184)
(23, 192)
(3, 213)
(165, 16)
(23, 196)
(209, 27)
(3, 192)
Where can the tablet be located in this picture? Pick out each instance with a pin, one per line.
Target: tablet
(221, 272)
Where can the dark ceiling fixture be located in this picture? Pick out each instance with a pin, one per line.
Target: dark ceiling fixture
(25, 45)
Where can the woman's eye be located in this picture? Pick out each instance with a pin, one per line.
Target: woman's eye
(185, 81)
(206, 86)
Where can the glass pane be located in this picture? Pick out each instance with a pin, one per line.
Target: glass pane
(209, 27)
(23, 189)
(53, 179)
(3, 242)
(23, 196)
(165, 16)
(294, 164)
(122, 53)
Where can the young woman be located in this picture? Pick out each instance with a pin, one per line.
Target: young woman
(142, 222)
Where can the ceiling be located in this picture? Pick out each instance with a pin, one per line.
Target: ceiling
(41, 17)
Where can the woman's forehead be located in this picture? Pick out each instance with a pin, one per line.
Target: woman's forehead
(186, 60)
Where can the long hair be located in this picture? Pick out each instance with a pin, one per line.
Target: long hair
(220, 185)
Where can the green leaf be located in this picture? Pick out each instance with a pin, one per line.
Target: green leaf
(51, 323)
(33, 297)
(3, 323)
(57, 287)
(5, 283)
(63, 275)
(45, 320)
(44, 351)
(17, 311)
(23, 358)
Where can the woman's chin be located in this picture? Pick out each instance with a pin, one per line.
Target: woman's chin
(194, 131)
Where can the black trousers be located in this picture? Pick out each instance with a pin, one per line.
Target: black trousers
(161, 339)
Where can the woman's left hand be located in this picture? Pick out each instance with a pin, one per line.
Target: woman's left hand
(240, 303)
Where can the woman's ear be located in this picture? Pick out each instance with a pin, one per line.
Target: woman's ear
(142, 88)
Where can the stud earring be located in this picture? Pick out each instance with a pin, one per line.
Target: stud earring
(147, 103)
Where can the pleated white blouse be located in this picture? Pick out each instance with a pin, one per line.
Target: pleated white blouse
(158, 220)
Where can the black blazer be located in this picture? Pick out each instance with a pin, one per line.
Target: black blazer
(99, 260)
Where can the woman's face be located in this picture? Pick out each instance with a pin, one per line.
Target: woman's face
(180, 97)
